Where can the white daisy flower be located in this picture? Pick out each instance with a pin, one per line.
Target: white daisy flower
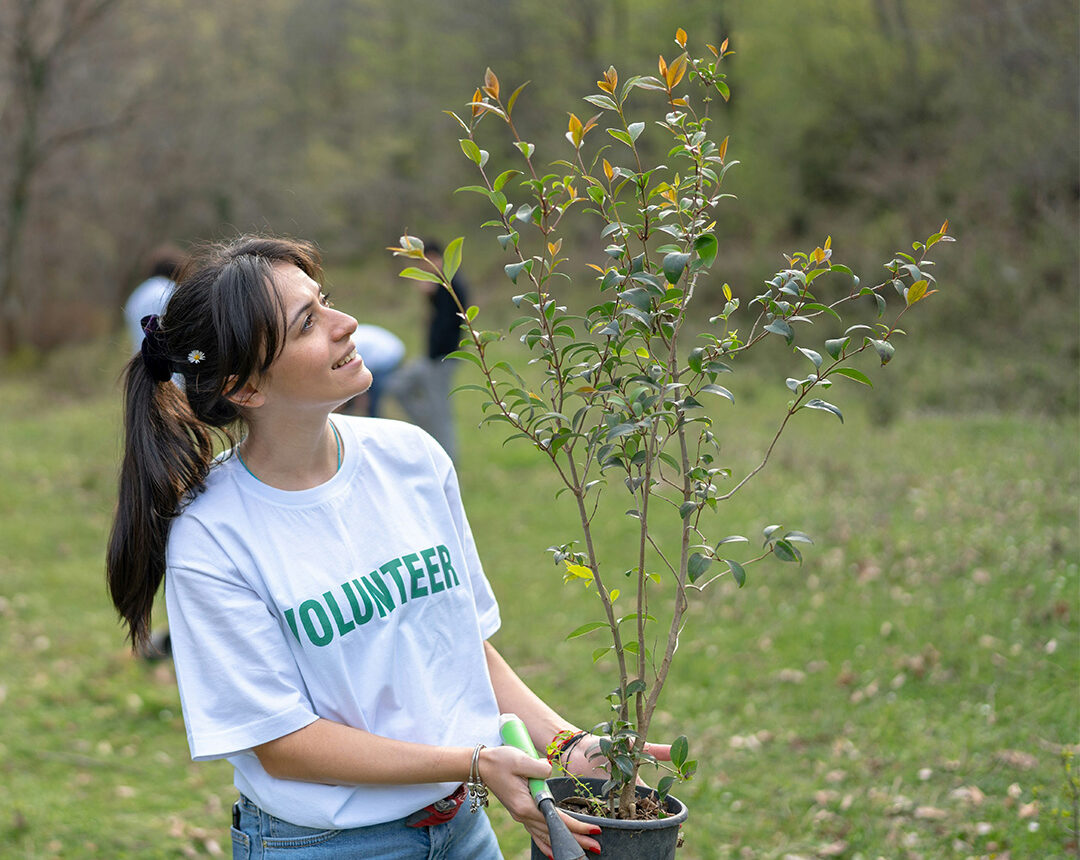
(195, 356)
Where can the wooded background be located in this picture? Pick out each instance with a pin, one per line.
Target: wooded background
(126, 123)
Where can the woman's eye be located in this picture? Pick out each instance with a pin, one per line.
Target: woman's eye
(327, 303)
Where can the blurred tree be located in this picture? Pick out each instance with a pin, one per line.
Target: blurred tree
(38, 41)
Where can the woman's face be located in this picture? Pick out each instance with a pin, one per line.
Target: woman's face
(318, 366)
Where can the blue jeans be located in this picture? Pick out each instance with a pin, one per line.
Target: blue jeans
(466, 836)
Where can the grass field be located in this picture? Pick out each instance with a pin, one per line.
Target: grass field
(907, 693)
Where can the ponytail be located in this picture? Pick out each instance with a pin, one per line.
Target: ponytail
(166, 457)
(223, 326)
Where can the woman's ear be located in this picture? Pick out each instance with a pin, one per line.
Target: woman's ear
(247, 396)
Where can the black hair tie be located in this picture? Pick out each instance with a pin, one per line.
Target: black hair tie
(155, 353)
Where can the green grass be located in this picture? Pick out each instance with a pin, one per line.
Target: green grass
(903, 694)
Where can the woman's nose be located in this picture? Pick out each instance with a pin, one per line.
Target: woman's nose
(346, 325)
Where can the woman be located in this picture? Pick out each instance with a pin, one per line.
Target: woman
(328, 610)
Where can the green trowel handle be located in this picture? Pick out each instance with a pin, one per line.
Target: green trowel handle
(514, 734)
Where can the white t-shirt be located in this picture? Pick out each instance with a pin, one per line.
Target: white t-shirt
(361, 600)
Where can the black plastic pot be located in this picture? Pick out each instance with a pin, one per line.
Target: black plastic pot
(625, 840)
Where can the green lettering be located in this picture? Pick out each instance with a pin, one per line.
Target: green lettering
(379, 592)
(343, 626)
(447, 568)
(432, 569)
(290, 616)
(313, 607)
(391, 567)
(412, 562)
(369, 610)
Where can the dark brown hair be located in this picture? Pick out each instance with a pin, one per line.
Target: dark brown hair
(222, 327)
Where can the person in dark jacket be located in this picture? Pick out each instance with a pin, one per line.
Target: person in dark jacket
(422, 386)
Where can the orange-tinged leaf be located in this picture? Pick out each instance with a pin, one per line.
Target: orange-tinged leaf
(712, 48)
(574, 125)
(828, 242)
(681, 102)
(676, 71)
(662, 64)
(591, 266)
(680, 37)
(609, 171)
(610, 81)
(553, 247)
(491, 84)
(723, 149)
(723, 46)
(944, 227)
(477, 103)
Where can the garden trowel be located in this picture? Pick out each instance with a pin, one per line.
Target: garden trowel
(563, 845)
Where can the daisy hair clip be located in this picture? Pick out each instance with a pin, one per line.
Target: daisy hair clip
(195, 356)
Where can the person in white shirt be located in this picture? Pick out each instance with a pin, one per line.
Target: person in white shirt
(329, 613)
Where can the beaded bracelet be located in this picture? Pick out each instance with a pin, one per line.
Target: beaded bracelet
(478, 792)
(558, 751)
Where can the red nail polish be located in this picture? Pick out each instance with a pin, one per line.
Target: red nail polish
(595, 831)
(595, 850)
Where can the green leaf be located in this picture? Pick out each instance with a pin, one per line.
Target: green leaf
(687, 508)
(852, 373)
(674, 263)
(810, 354)
(784, 551)
(526, 149)
(680, 748)
(779, 326)
(416, 274)
(633, 687)
(600, 652)
(620, 136)
(732, 539)
(885, 350)
(513, 270)
(737, 572)
(835, 346)
(718, 389)
(459, 353)
(502, 178)
(825, 407)
(697, 565)
(471, 150)
(586, 628)
(605, 102)
(915, 292)
(452, 258)
(620, 430)
(706, 247)
(635, 129)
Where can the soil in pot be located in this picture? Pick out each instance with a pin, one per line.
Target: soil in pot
(623, 840)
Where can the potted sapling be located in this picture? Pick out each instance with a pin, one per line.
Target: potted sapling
(628, 353)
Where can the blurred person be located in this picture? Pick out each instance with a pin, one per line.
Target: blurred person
(422, 386)
(163, 266)
(330, 614)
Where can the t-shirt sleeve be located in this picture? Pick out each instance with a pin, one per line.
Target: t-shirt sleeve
(239, 682)
(487, 608)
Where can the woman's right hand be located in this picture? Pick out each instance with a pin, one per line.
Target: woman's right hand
(506, 771)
